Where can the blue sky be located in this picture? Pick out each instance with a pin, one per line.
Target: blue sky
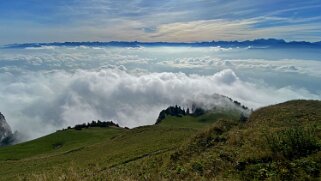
(149, 20)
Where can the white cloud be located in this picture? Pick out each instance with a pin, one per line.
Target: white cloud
(47, 89)
(38, 103)
(181, 57)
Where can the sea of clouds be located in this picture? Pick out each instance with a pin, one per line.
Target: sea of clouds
(48, 88)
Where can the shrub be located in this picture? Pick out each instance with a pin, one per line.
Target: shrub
(293, 142)
(198, 167)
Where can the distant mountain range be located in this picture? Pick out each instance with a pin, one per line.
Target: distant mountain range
(258, 43)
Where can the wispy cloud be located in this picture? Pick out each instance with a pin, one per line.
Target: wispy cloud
(35, 20)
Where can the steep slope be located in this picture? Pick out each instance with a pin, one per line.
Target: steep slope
(279, 142)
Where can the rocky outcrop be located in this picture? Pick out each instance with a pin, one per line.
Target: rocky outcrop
(6, 135)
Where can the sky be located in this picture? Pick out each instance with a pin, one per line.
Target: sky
(149, 20)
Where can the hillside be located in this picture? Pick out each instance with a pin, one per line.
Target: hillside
(280, 142)
(277, 142)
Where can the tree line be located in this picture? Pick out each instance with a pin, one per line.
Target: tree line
(95, 124)
(179, 112)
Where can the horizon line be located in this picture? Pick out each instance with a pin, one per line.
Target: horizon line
(223, 43)
(183, 42)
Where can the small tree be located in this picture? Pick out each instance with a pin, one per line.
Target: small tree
(187, 111)
(243, 118)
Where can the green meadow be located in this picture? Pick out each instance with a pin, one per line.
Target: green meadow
(278, 142)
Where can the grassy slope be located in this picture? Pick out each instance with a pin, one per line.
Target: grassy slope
(230, 150)
(98, 148)
(192, 148)
(57, 143)
(242, 151)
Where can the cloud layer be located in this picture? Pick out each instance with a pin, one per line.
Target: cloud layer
(38, 103)
(50, 88)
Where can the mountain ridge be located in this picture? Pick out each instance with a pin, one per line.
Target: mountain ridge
(256, 43)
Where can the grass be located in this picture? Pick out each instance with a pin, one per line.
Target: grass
(240, 151)
(293, 142)
(119, 149)
(196, 122)
(86, 149)
(276, 143)
(58, 143)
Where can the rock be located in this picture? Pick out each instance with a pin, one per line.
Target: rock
(6, 135)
